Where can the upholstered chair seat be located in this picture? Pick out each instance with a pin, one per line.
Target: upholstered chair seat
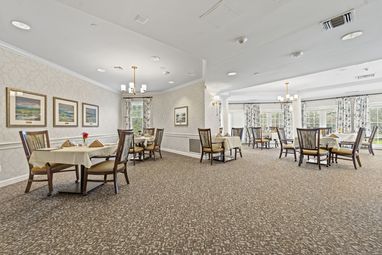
(342, 151)
(214, 148)
(53, 167)
(105, 167)
(136, 149)
(288, 145)
(314, 152)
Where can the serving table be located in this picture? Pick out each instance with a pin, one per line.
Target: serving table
(76, 155)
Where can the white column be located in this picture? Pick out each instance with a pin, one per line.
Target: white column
(224, 110)
(297, 116)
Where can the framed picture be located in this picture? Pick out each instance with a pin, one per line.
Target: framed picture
(181, 116)
(90, 115)
(25, 109)
(65, 112)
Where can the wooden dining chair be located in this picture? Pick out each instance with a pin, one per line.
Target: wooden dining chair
(369, 142)
(208, 147)
(325, 131)
(237, 132)
(309, 143)
(112, 167)
(286, 145)
(35, 140)
(350, 154)
(257, 135)
(156, 145)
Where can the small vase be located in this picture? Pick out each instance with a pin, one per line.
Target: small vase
(84, 142)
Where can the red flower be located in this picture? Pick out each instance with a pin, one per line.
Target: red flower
(85, 135)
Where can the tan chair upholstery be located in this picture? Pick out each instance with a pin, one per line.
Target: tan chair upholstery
(112, 167)
(208, 147)
(156, 146)
(351, 154)
(257, 135)
(286, 146)
(309, 143)
(37, 140)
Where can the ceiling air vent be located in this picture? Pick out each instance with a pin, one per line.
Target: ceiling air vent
(360, 77)
(339, 20)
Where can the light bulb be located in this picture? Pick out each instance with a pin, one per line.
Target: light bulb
(144, 87)
(295, 96)
(131, 85)
(123, 87)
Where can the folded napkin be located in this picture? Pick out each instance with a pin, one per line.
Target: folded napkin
(219, 135)
(96, 144)
(333, 136)
(67, 143)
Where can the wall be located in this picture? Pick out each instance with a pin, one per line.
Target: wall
(23, 71)
(176, 138)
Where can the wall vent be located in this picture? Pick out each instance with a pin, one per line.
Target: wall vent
(338, 21)
(360, 77)
(194, 145)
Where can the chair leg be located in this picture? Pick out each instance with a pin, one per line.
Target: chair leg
(29, 184)
(295, 156)
(212, 157)
(359, 160)
(241, 155)
(126, 176)
(134, 155)
(235, 153)
(154, 154)
(319, 162)
(281, 152)
(77, 173)
(160, 153)
(371, 149)
(115, 183)
(201, 157)
(85, 185)
(50, 182)
(301, 159)
(354, 163)
(105, 178)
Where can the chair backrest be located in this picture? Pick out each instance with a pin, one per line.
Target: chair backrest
(125, 140)
(33, 141)
(149, 131)
(132, 145)
(309, 138)
(282, 135)
(325, 131)
(257, 133)
(360, 137)
(205, 137)
(372, 135)
(237, 132)
(159, 137)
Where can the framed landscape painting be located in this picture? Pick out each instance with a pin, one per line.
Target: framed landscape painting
(25, 109)
(181, 116)
(90, 115)
(65, 112)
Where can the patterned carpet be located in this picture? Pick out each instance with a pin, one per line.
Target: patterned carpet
(255, 205)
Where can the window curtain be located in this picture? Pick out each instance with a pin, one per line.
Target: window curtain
(288, 120)
(126, 113)
(147, 117)
(361, 112)
(344, 115)
(252, 115)
(303, 114)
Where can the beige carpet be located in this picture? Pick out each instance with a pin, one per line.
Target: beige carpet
(255, 205)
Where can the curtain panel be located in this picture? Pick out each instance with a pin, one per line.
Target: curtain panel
(288, 120)
(352, 113)
(361, 112)
(126, 113)
(147, 110)
(252, 115)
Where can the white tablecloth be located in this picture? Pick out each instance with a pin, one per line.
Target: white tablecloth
(144, 139)
(230, 142)
(350, 137)
(78, 155)
(271, 135)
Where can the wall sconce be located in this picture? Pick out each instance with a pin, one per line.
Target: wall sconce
(216, 104)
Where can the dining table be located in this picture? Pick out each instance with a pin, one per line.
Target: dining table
(229, 143)
(144, 140)
(75, 155)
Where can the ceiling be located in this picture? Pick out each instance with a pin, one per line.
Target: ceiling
(62, 33)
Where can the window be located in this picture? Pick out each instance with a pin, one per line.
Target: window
(277, 119)
(136, 116)
(312, 119)
(331, 120)
(375, 116)
(264, 120)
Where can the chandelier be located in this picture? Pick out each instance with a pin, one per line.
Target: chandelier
(132, 84)
(287, 99)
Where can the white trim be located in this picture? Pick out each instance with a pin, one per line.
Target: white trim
(183, 153)
(56, 66)
(194, 82)
(16, 145)
(181, 135)
(13, 180)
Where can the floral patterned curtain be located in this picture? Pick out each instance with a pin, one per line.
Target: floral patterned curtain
(288, 120)
(361, 112)
(252, 115)
(303, 113)
(147, 118)
(344, 115)
(126, 113)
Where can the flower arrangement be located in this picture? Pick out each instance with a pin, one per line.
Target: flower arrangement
(85, 136)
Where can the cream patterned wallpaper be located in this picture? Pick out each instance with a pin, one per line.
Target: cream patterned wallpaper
(23, 72)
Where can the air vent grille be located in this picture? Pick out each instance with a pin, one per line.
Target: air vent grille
(338, 21)
(365, 76)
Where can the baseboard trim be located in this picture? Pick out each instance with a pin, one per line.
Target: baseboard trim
(183, 153)
(13, 180)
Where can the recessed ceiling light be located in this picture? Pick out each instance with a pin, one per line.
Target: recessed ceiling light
(101, 70)
(166, 72)
(141, 20)
(351, 35)
(232, 73)
(297, 54)
(256, 73)
(21, 25)
(93, 24)
(155, 58)
(242, 40)
(171, 82)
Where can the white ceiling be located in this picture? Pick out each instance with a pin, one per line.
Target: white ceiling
(62, 34)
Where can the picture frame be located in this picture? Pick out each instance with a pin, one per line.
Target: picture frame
(65, 112)
(181, 116)
(25, 108)
(90, 115)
